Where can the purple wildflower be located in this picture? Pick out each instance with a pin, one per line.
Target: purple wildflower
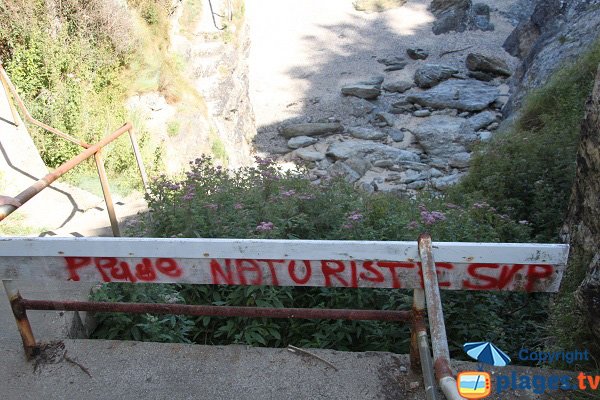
(524, 222)
(211, 206)
(288, 193)
(413, 225)
(347, 226)
(238, 206)
(431, 217)
(306, 197)
(265, 227)
(355, 216)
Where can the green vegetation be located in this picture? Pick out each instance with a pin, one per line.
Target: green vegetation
(264, 202)
(528, 170)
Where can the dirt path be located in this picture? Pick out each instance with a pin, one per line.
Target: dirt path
(304, 51)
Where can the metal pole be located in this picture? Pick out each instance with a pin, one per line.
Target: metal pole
(114, 224)
(138, 157)
(20, 313)
(420, 354)
(15, 116)
(32, 120)
(218, 311)
(439, 341)
(6, 208)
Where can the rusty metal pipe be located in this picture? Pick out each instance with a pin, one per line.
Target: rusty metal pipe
(138, 158)
(20, 313)
(439, 341)
(217, 311)
(47, 180)
(420, 354)
(32, 120)
(9, 99)
(110, 207)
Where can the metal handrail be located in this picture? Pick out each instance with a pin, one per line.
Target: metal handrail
(11, 88)
(9, 204)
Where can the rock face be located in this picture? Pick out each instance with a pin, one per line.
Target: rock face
(492, 65)
(462, 95)
(557, 31)
(459, 16)
(310, 129)
(443, 136)
(430, 75)
(583, 221)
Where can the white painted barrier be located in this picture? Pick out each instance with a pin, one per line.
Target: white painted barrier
(460, 266)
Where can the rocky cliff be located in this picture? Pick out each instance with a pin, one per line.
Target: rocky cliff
(556, 31)
(582, 227)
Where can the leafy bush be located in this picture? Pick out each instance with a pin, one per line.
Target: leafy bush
(266, 202)
(528, 170)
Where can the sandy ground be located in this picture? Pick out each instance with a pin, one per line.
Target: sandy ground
(303, 51)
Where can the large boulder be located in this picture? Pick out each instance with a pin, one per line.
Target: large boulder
(370, 151)
(301, 141)
(397, 86)
(310, 129)
(459, 16)
(464, 95)
(444, 136)
(487, 64)
(482, 120)
(430, 75)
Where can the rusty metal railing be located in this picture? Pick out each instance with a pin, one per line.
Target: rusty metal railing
(10, 204)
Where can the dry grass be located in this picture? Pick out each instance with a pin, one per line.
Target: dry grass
(370, 6)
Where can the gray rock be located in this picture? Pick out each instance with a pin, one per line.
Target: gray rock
(360, 107)
(422, 113)
(435, 173)
(373, 81)
(445, 182)
(301, 141)
(485, 136)
(460, 160)
(362, 91)
(448, 111)
(418, 166)
(387, 118)
(397, 86)
(412, 176)
(480, 76)
(341, 168)
(370, 151)
(430, 75)
(396, 67)
(493, 126)
(396, 135)
(366, 133)
(417, 54)
(460, 15)
(310, 129)
(360, 165)
(390, 60)
(383, 163)
(416, 185)
(309, 155)
(464, 114)
(443, 136)
(463, 95)
(481, 120)
(491, 65)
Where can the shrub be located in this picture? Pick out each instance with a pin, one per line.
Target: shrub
(266, 202)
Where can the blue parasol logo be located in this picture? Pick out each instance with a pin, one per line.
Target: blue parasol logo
(487, 353)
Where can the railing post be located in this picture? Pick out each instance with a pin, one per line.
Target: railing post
(138, 158)
(439, 341)
(29, 344)
(420, 356)
(114, 224)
